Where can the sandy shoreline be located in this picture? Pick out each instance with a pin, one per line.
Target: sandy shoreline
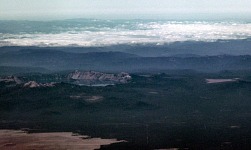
(20, 140)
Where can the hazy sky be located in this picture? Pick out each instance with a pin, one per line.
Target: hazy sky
(56, 9)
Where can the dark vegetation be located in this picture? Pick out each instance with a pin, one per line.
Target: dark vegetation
(172, 109)
(47, 60)
(201, 56)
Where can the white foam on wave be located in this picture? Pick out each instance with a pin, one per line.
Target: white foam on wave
(150, 32)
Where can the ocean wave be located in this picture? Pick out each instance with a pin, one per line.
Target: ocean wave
(100, 33)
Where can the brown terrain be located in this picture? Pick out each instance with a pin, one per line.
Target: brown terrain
(20, 140)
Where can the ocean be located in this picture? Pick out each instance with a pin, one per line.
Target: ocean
(94, 32)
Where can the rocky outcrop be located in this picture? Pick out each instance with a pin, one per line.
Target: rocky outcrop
(99, 76)
(33, 84)
(11, 79)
